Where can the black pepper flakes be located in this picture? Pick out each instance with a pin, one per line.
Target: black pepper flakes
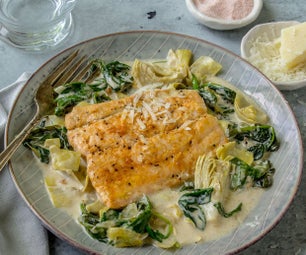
(151, 15)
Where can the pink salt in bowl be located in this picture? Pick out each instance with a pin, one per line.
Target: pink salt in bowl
(225, 15)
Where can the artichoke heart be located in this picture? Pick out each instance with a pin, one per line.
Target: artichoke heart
(212, 172)
(232, 150)
(247, 111)
(205, 65)
(173, 70)
(124, 237)
(58, 196)
(62, 159)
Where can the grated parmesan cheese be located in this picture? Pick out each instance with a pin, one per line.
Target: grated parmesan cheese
(150, 110)
(265, 55)
(185, 126)
(144, 107)
(142, 126)
(136, 98)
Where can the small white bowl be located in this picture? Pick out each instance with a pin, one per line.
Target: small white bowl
(273, 31)
(224, 24)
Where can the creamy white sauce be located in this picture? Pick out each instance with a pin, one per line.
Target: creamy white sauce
(71, 189)
(166, 203)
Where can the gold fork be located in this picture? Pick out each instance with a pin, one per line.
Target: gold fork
(73, 68)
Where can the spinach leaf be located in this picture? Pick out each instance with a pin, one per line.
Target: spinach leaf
(261, 174)
(195, 82)
(114, 76)
(209, 98)
(109, 215)
(190, 205)
(37, 137)
(155, 233)
(219, 99)
(226, 93)
(117, 76)
(225, 214)
(91, 222)
(71, 94)
(262, 139)
(139, 222)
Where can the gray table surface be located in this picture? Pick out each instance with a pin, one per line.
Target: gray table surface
(98, 17)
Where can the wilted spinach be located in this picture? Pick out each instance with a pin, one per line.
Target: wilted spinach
(139, 222)
(219, 99)
(261, 174)
(260, 138)
(225, 214)
(190, 205)
(117, 76)
(113, 76)
(37, 137)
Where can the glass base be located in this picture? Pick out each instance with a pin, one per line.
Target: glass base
(41, 40)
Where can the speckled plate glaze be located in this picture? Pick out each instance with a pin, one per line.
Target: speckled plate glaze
(152, 44)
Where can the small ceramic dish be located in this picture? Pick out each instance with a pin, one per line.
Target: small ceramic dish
(271, 32)
(224, 24)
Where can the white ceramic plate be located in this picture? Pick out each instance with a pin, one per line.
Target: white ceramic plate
(151, 44)
(273, 31)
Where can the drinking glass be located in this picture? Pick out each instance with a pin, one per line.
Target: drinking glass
(35, 24)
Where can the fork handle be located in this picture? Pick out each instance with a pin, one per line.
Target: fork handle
(13, 146)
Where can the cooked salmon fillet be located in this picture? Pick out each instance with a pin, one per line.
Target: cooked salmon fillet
(142, 143)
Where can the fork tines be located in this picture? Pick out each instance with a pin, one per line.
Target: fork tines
(73, 68)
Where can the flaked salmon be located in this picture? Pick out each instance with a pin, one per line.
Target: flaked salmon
(142, 143)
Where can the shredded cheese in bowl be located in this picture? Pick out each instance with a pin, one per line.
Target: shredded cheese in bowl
(261, 47)
(265, 55)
